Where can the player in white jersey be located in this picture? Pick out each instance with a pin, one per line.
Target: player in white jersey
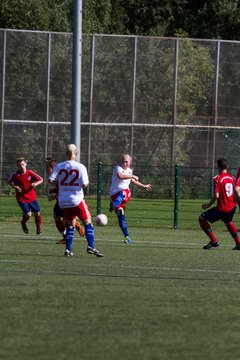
(72, 178)
(120, 192)
(57, 213)
(118, 184)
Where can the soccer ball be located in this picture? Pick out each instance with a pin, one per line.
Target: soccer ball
(101, 219)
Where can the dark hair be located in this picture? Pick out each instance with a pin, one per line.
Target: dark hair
(222, 163)
(50, 162)
(21, 159)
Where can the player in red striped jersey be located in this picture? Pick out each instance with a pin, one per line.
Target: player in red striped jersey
(223, 193)
(24, 181)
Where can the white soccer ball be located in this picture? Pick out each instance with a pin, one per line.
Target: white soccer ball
(101, 220)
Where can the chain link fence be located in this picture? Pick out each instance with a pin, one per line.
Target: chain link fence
(165, 101)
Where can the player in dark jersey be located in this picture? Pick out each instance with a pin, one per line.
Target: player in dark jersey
(24, 182)
(223, 193)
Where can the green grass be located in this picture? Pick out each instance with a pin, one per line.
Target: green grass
(162, 297)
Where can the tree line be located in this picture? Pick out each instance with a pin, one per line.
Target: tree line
(204, 19)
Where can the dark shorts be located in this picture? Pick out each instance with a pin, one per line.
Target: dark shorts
(28, 207)
(57, 211)
(213, 215)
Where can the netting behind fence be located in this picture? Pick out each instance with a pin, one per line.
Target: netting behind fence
(164, 101)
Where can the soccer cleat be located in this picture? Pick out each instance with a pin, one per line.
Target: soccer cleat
(63, 241)
(237, 247)
(210, 245)
(68, 253)
(127, 240)
(111, 207)
(24, 228)
(80, 229)
(94, 251)
(39, 230)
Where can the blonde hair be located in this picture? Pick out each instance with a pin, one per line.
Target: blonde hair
(71, 150)
(124, 156)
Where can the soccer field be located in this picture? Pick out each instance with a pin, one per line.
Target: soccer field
(162, 297)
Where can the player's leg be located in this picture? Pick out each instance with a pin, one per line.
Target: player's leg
(207, 217)
(38, 222)
(69, 219)
(24, 221)
(26, 216)
(58, 219)
(123, 223)
(119, 200)
(70, 226)
(61, 228)
(80, 229)
(227, 219)
(84, 214)
(233, 231)
(89, 234)
(35, 207)
(116, 200)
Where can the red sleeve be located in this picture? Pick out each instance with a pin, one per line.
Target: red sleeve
(35, 176)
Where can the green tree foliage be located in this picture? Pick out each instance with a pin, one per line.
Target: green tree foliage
(183, 18)
(44, 15)
(144, 17)
(96, 16)
(219, 19)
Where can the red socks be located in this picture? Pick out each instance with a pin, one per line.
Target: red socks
(60, 226)
(207, 229)
(38, 220)
(233, 231)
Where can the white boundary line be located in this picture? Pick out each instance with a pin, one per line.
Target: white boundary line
(143, 268)
(35, 238)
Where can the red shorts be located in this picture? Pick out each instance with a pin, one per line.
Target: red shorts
(81, 211)
(127, 197)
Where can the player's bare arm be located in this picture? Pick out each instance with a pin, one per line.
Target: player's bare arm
(16, 187)
(126, 176)
(237, 194)
(36, 183)
(211, 202)
(52, 190)
(147, 187)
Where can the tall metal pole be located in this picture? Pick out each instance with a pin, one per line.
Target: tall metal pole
(215, 105)
(3, 70)
(99, 189)
(134, 70)
(175, 93)
(76, 76)
(176, 196)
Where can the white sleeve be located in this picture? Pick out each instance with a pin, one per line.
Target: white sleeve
(54, 174)
(85, 179)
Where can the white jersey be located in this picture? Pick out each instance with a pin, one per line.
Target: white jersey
(70, 176)
(119, 184)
